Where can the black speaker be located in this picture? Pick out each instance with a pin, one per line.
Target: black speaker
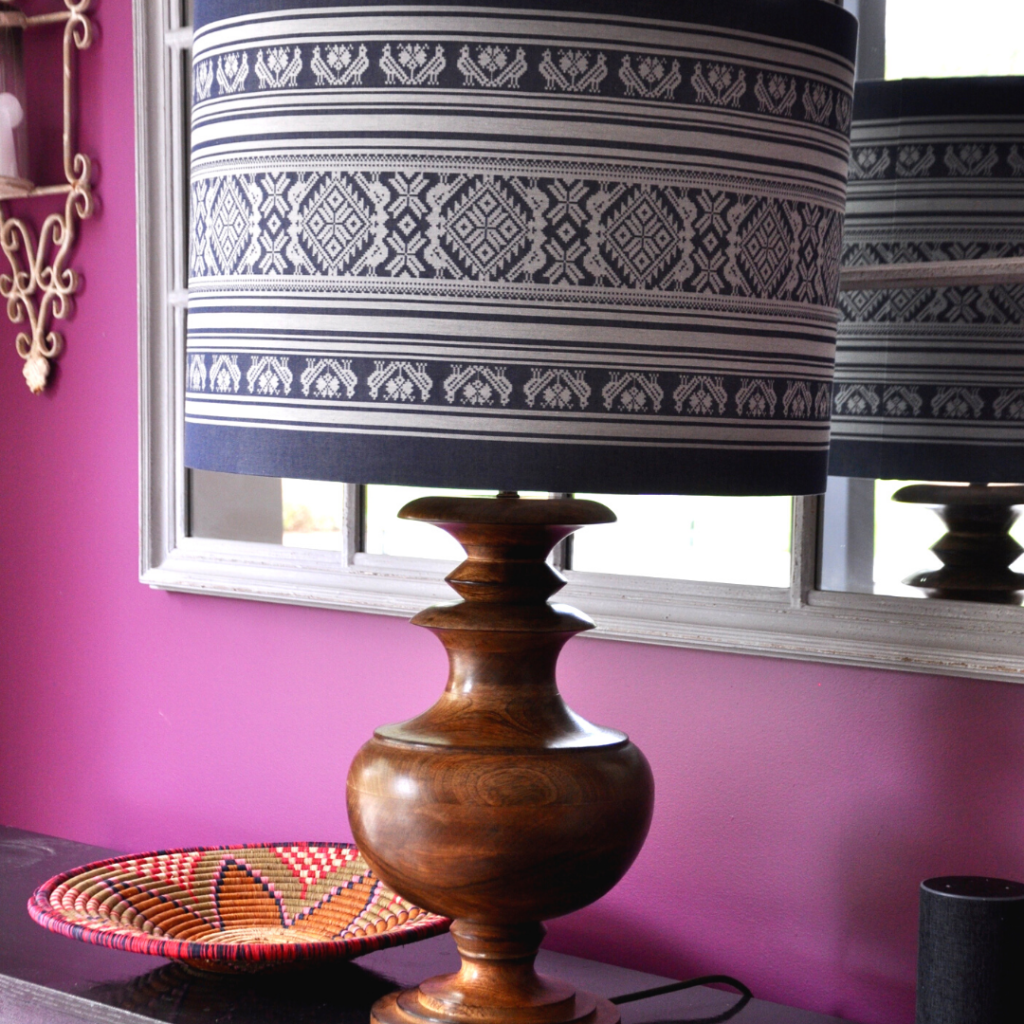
(970, 955)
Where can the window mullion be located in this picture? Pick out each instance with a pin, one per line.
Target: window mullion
(353, 522)
(804, 547)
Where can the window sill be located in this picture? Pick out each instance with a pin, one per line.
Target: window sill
(950, 638)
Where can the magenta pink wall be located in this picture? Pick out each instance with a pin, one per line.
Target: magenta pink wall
(798, 805)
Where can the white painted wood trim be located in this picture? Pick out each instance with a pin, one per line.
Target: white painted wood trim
(907, 634)
(945, 274)
(179, 38)
(802, 622)
(155, 316)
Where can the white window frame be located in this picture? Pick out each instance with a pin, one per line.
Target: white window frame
(948, 637)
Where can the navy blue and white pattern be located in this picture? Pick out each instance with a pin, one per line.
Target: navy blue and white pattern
(555, 250)
(930, 381)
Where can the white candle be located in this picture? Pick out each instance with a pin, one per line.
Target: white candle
(11, 116)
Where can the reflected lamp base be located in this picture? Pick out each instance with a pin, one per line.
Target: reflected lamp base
(977, 551)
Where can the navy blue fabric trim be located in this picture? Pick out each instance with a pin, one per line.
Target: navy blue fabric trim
(489, 465)
(811, 22)
(939, 97)
(904, 460)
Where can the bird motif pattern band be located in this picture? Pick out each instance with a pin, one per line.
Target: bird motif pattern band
(517, 247)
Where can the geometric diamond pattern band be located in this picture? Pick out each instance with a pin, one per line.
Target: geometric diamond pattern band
(530, 235)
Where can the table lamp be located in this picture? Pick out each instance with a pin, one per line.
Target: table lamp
(930, 380)
(588, 246)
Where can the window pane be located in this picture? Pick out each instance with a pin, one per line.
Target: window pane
(903, 535)
(311, 514)
(385, 534)
(720, 540)
(872, 543)
(268, 510)
(953, 38)
(227, 506)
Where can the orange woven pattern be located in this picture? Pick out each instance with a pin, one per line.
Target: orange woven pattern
(258, 904)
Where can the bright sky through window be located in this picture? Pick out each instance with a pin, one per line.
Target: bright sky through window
(953, 38)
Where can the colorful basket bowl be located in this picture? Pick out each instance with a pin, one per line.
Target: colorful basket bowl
(233, 907)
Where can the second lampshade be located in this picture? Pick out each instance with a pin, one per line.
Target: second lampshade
(930, 380)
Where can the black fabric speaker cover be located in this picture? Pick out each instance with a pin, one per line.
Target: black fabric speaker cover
(970, 965)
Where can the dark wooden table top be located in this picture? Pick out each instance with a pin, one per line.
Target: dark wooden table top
(47, 979)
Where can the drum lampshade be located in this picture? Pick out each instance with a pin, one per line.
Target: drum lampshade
(581, 245)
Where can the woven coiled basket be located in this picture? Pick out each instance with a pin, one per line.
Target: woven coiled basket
(233, 907)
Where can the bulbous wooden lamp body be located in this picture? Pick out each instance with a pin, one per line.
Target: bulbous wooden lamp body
(499, 806)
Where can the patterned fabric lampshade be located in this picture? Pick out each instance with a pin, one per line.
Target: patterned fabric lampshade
(930, 381)
(584, 245)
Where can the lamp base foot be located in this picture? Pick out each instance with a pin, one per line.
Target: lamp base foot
(496, 984)
(406, 1008)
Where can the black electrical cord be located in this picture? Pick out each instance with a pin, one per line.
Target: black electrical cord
(677, 986)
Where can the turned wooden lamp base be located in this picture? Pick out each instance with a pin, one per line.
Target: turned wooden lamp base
(977, 551)
(499, 807)
(497, 984)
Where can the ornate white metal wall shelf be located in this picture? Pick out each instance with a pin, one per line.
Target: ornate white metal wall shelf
(40, 286)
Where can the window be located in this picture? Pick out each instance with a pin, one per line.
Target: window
(952, 39)
(804, 578)
(685, 537)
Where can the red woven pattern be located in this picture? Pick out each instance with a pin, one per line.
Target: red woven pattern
(253, 904)
(311, 863)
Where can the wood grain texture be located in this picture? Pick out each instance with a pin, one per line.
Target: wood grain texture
(499, 806)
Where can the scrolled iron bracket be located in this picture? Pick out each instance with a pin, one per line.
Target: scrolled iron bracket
(41, 285)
